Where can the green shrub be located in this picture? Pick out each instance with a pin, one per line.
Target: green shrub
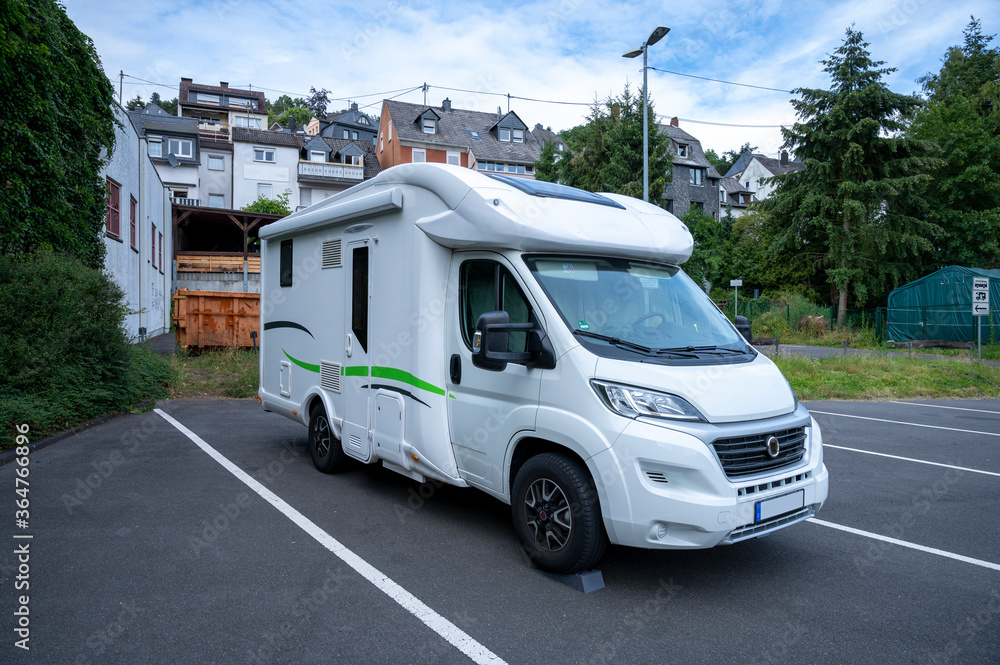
(64, 355)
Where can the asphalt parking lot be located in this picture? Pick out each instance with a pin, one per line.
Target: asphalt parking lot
(146, 547)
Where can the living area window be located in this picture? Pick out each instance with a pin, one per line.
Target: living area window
(181, 147)
(317, 156)
(455, 157)
(155, 147)
(695, 176)
(682, 150)
(504, 135)
(249, 123)
(264, 189)
(216, 163)
(263, 155)
(203, 98)
(216, 201)
(419, 155)
(517, 135)
(428, 125)
(132, 209)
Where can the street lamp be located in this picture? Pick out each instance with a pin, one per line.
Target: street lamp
(654, 37)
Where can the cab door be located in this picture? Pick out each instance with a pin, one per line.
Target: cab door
(489, 408)
(358, 433)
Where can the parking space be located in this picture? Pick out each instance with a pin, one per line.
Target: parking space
(147, 549)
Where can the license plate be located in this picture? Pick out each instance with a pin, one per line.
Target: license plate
(779, 505)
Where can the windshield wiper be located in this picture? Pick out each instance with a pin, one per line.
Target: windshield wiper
(614, 340)
(699, 349)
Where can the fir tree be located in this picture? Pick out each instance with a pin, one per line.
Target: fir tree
(546, 166)
(854, 209)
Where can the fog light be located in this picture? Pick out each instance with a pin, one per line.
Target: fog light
(661, 531)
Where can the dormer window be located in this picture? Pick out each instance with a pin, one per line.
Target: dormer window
(317, 156)
(517, 135)
(682, 150)
(428, 125)
(362, 120)
(504, 135)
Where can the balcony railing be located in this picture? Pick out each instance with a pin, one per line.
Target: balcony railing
(185, 202)
(330, 172)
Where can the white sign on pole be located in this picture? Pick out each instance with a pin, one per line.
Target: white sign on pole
(736, 282)
(980, 296)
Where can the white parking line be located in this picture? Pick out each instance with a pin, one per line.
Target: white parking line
(903, 543)
(910, 459)
(941, 406)
(900, 422)
(446, 629)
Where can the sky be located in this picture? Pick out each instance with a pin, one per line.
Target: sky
(564, 53)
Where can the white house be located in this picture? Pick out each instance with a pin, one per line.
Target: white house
(753, 170)
(136, 235)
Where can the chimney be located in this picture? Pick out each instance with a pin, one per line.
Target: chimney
(446, 105)
(499, 113)
(186, 80)
(539, 127)
(784, 158)
(354, 106)
(223, 84)
(674, 122)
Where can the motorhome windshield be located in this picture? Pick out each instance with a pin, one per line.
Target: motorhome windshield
(623, 307)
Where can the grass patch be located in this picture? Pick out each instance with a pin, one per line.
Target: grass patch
(883, 378)
(217, 373)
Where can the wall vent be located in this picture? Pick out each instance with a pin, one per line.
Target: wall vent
(332, 253)
(329, 376)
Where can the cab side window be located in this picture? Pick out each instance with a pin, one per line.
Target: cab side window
(487, 286)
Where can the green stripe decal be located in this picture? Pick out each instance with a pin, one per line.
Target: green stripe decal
(306, 366)
(393, 374)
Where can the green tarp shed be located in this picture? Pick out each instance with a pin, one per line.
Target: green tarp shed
(939, 306)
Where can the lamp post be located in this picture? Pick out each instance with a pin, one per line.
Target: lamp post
(654, 37)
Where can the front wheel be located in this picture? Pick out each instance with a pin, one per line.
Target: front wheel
(324, 447)
(557, 515)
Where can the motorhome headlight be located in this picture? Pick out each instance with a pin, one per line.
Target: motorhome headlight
(633, 402)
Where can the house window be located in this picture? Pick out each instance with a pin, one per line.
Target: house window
(505, 135)
(746, 185)
(390, 130)
(216, 163)
(454, 157)
(179, 193)
(362, 120)
(285, 272)
(216, 201)
(695, 176)
(429, 126)
(132, 207)
(698, 205)
(517, 135)
(530, 169)
(722, 196)
(243, 103)
(352, 159)
(317, 156)
(243, 121)
(114, 203)
(381, 143)
(263, 155)
(181, 147)
(354, 135)
(511, 168)
(264, 189)
(152, 251)
(202, 98)
(347, 134)
(419, 155)
(682, 150)
(160, 255)
(156, 147)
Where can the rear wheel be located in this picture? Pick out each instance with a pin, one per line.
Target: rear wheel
(324, 447)
(557, 515)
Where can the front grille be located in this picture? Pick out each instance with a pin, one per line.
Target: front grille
(763, 528)
(747, 455)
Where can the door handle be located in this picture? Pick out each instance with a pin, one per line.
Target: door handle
(456, 369)
(350, 344)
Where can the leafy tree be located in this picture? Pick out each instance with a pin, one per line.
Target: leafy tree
(279, 110)
(276, 206)
(135, 104)
(963, 120)
(52, 194)
(606, 153)
(169, 106)
(546, 166)
(318, 101)
(709, 262)
(855, 208)
(301, 114)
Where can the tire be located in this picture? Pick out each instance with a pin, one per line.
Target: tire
(324, 448)
(557, 515)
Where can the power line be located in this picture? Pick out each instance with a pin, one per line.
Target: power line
(719, 124)
(705, 78)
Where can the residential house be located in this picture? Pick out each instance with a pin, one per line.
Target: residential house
(265, 163)
(541, 135)
(493, 143)
(220, 108)
(172, 144)
(137, 243)
(351, 124)
(215, 174)
(733, 197)
(695, 182)
(753, 171)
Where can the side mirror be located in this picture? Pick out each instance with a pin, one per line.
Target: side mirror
(743, 325)
(492, 337)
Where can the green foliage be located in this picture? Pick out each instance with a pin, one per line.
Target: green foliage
(276, 206)
(301, 114)
(282, 107)
(135, 104)
(546, 166)
(855, 208)
(605, 155)
(64, 356)
(709, 262)
(964, 122)
(56, 127)
(725, 162)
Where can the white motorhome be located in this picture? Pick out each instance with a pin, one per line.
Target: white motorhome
(541, 344)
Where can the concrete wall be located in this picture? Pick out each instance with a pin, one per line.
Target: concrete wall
(247, 174)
